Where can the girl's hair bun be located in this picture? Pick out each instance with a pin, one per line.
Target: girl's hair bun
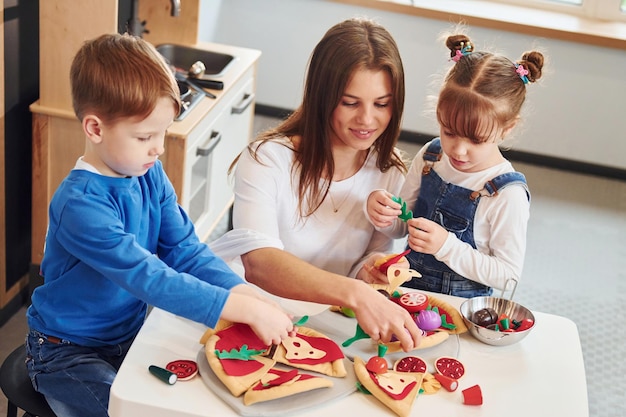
(533, 62)
(456, 43)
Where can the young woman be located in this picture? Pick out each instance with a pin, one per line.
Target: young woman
(300, 189)
(470, 206)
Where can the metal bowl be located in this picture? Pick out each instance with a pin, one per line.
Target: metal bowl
(502, 306)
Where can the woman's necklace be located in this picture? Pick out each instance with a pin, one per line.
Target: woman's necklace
(336, 207)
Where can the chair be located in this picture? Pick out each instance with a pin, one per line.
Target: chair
(18, 389)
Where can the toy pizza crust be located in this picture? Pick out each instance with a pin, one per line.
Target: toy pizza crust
(452, 314)
(240, 361)
(313, 351)
(265, 390)
(396, 276)
(402, 387)
(431, 339)
(236, 384)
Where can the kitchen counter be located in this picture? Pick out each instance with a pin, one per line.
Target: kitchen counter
(542, 375)
(245, 59)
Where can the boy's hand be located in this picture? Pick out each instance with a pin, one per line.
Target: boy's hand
(381, 209)
(270, 323)
(426, 236)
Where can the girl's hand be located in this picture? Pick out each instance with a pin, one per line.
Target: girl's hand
(426, 236)
(381, 209)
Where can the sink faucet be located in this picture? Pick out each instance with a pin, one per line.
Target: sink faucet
(175, 8)
(138, 27)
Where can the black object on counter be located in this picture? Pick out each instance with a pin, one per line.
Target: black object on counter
(212, 84)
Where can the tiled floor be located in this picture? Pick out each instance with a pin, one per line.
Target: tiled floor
(575, 267)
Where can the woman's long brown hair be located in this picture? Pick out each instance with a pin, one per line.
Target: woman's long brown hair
(351, 45)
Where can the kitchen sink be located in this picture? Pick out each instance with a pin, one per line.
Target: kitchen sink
(182, 57)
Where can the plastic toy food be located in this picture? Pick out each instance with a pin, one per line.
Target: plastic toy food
(378, 364)
(473, 395)
(448, 383)
(428, 320)
(484, 317)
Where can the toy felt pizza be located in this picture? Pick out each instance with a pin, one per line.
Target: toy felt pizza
(396, 390)
(449, 320)
(279, 383)
(235, 354)
(245, 365)
(313, 351)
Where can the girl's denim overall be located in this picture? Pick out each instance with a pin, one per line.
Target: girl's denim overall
(454, 208)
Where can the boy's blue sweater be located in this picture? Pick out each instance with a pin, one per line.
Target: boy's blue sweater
(115, 245)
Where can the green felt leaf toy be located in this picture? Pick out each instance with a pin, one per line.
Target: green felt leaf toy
(243, 354)
(406, 215)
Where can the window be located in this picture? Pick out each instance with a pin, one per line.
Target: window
(614, 10)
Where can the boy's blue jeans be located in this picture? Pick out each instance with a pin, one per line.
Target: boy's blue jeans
(76, 380)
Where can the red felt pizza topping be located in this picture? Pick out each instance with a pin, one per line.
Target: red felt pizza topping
(184, 369)
(397, 387)
(240, 338)
(299, 354)
(410, 364)
(236, 336)
(450, 367)
(282, 377)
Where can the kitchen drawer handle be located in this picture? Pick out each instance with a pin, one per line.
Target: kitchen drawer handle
(210, 144)
(245, 103)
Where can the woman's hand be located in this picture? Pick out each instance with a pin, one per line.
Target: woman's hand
(426, 236)
(382, 319)
(381, 209)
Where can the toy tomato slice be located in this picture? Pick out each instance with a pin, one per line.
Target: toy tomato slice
(450, 367)
(413, 301)
(184, 369)
(410, 364)
(377, 365)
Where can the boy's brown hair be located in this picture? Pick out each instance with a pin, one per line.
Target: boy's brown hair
(118, 76)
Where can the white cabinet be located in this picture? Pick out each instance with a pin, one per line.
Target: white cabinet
(200, 148)
(212, 146)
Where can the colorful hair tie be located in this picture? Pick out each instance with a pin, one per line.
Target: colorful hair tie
(465, 50)
(522, 72)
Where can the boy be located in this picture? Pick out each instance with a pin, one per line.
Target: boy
(117, 239)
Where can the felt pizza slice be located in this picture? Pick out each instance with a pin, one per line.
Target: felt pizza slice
(396, 390)
(282, 383)
(451, 320)
(313, 351)
(235, 354)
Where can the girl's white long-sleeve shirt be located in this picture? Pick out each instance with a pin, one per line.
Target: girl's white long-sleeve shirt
(500, 224)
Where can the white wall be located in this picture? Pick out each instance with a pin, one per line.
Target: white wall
(575, 112)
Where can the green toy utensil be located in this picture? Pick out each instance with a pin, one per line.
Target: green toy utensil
(360, 334)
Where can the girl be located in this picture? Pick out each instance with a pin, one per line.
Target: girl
(467, 233)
